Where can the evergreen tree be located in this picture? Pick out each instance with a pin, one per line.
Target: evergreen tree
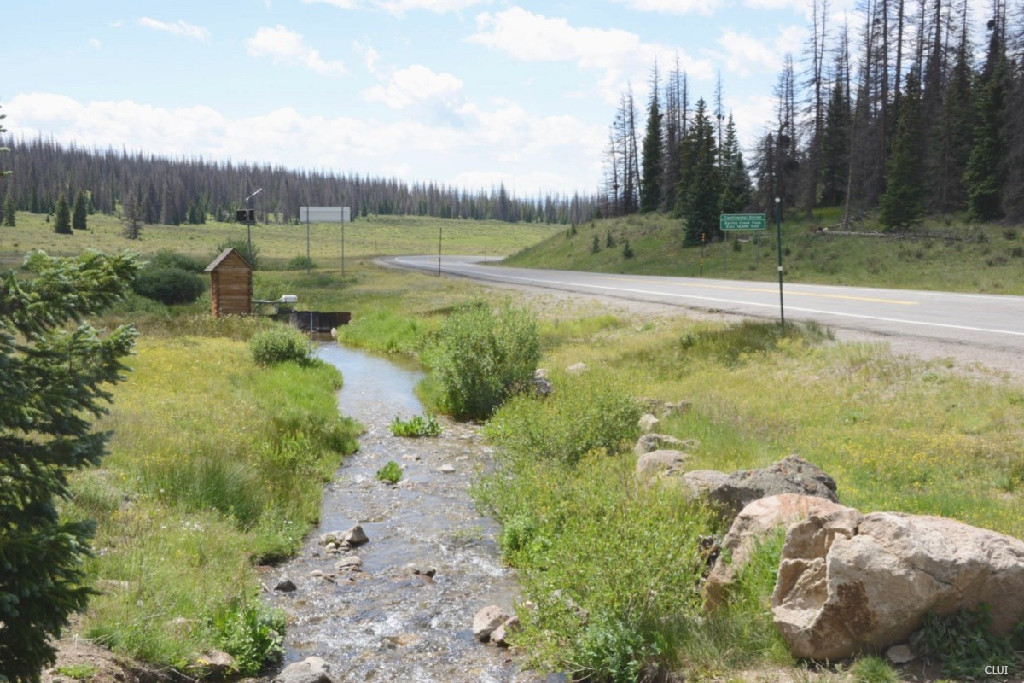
(55, 377)
(901, 204)
(650, 196)
(955, 134)
(835, 144)
(9, 209)
(62, 219)
(78, 215)
(703, 188)
(985, 168)
(736, 186)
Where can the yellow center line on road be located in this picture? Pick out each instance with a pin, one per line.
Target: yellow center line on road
(770, 290)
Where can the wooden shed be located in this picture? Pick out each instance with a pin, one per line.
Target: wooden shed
(230, 284)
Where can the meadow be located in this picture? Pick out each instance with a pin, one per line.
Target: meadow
(278, 243)
(178, 545)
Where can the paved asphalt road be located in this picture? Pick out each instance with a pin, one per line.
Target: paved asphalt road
(978, 320)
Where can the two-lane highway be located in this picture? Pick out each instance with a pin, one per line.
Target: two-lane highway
(978, 320)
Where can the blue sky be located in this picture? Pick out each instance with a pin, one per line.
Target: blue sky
(463, 92)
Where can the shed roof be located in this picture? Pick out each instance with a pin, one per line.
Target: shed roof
(216, 263)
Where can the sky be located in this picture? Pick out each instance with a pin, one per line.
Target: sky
(470, 93)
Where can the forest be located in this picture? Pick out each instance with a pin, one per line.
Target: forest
(905, 114)
(176, 191)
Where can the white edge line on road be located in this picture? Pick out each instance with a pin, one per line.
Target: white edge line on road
(562, 285)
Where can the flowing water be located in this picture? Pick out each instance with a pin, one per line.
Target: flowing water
(387, 623)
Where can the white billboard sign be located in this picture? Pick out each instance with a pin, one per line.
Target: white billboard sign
(325, 214)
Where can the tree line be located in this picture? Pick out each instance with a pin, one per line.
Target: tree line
(167, 191)
(905, 124)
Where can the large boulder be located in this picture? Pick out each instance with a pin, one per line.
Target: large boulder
(853, 584)
(754, 523)
(789, 475)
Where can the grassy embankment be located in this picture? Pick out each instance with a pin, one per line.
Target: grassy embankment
(959, 257)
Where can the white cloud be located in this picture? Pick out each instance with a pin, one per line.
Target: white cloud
(675, 6)
(178, 28)
(284, 45)
(400, 7)
(503, 140)
(744, 54)
(620, 55)
(413, 85)
(95, 42)
(370, 57)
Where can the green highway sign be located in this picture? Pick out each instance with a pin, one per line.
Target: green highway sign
(741, 221)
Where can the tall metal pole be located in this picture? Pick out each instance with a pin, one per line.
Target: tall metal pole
(778, 244)
(248, 221)
(309, 260)
(342, 209)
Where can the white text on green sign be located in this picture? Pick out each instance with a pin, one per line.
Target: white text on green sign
(741, 221)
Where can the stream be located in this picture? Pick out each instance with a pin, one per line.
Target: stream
(387, 622)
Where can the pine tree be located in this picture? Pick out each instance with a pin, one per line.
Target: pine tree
(62, 219)
(650, 196)
(80, 212)
(985, 172)
(736, 186)
(703, 188)
(901, 204)
(56, 376)
(9, 209)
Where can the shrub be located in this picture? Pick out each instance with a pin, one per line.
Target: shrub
(278, 345)
(416, 426)
(252, 634)
(390, 473)
(483, 358)
(299, 263)
(586, 413)
(165, 258)
(169, 285)
(963, 642)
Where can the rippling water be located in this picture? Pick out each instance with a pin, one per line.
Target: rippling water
(387, 623)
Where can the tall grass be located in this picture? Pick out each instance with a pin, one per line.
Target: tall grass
(215, 465)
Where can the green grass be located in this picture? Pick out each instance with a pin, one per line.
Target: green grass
(215, 465)
(959, 256)
(278, 245)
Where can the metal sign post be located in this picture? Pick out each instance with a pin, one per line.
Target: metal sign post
(778, 244)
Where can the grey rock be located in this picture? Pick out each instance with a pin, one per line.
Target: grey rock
(309, 670)
(285, 585)
(660, 462)
(352, 563)
(790, 475)
(486, 620)
(900, 654)
(647, 423)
